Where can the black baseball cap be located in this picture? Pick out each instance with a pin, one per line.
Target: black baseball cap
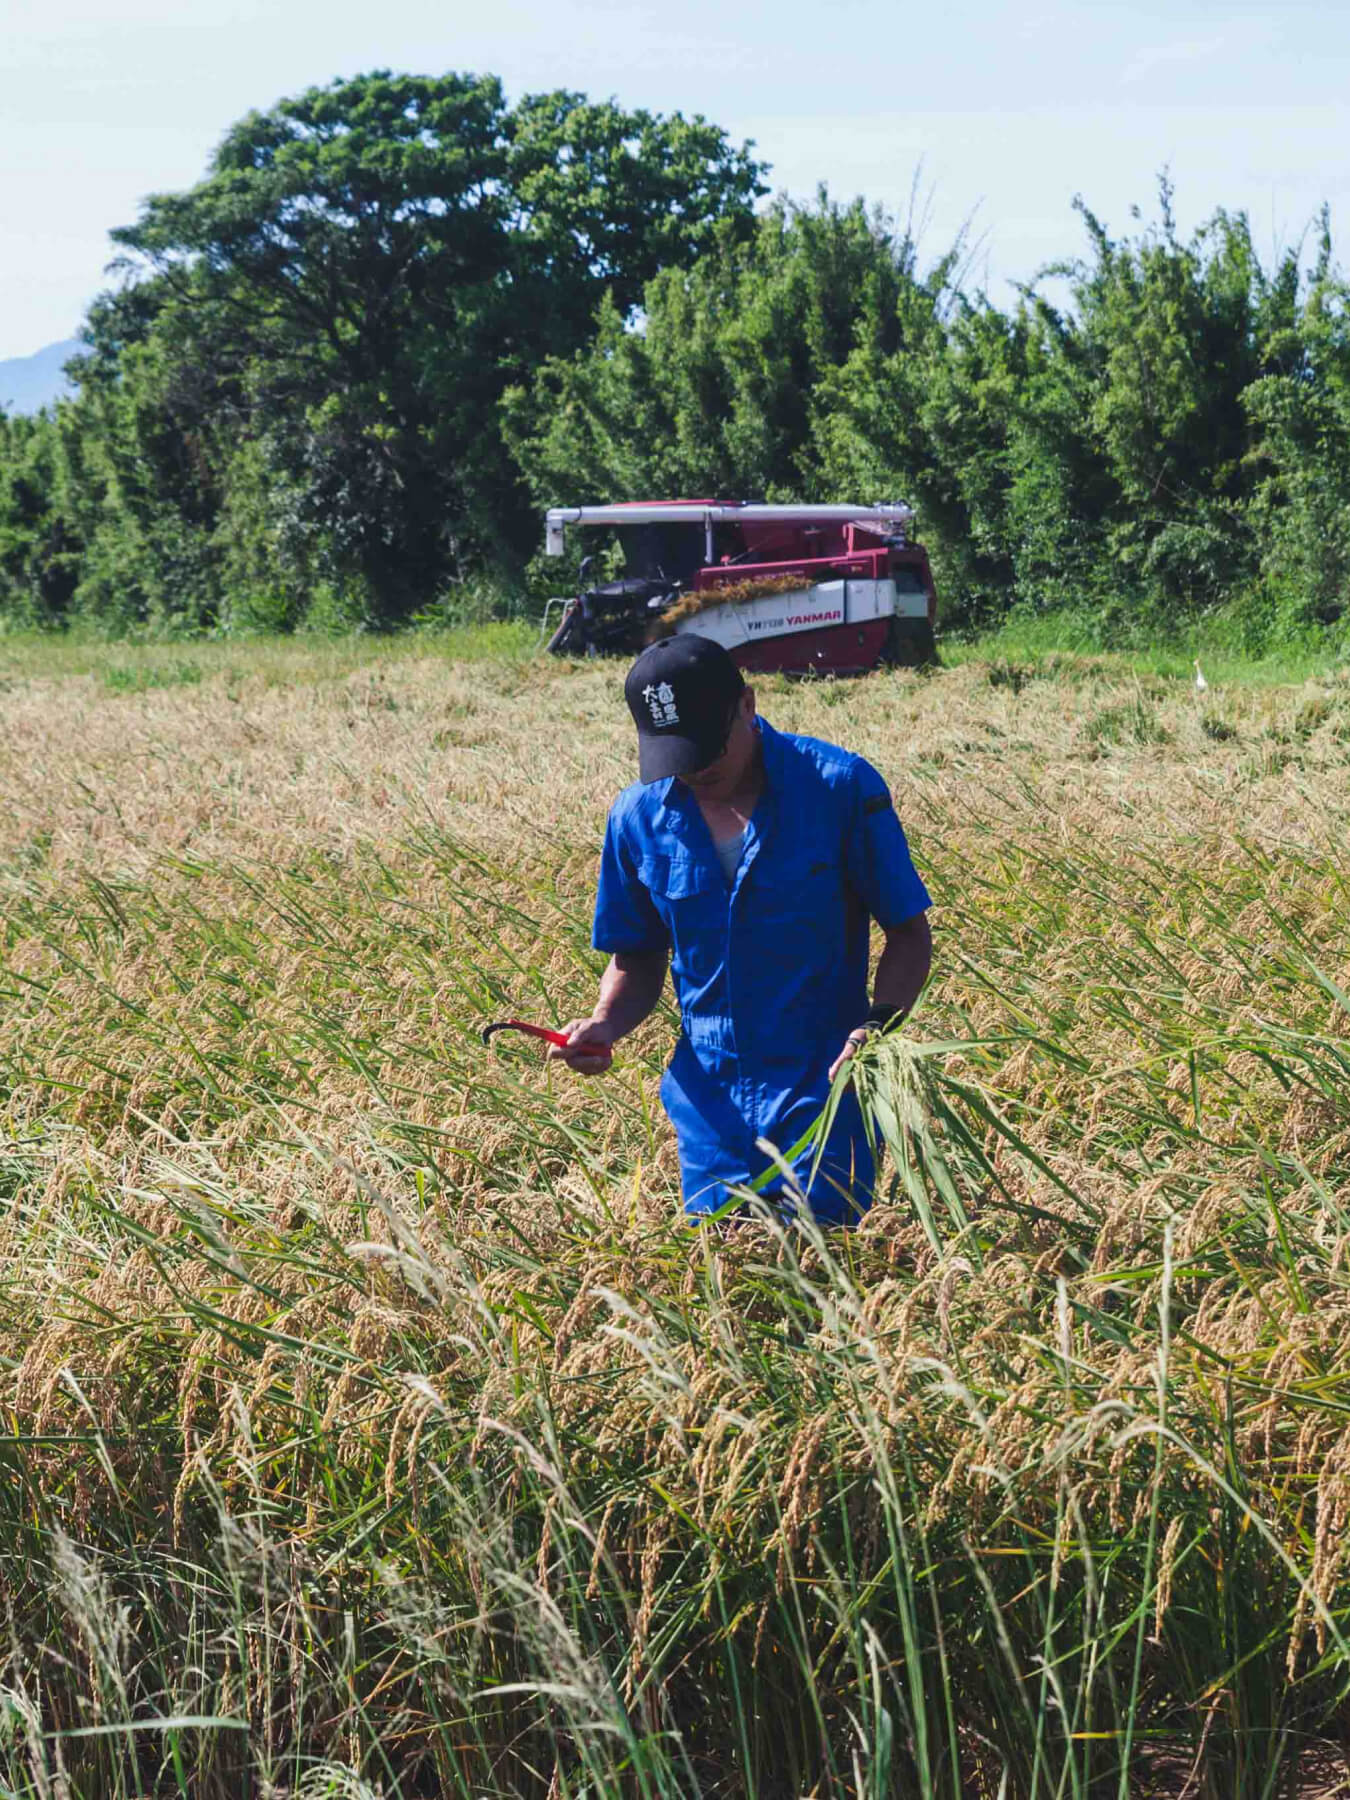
(681, 692)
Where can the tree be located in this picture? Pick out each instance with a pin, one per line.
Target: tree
(366, 267)
(713, 391)
(809, 362)
(1300, 413)
(1098, 454)
(39, 555)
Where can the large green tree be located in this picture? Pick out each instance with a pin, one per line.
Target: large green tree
(338, 306)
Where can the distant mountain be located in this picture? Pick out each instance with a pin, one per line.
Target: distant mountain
(30, 382)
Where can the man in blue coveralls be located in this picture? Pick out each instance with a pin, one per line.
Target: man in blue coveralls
(751, 861)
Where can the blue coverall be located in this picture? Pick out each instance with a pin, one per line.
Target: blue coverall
(771, 974)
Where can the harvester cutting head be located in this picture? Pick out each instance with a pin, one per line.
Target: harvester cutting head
(836, 589)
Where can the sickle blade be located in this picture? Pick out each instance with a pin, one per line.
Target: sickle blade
(534, 1031)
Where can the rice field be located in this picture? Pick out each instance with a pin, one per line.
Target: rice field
(373, 1424)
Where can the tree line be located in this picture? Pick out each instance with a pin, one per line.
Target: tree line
(339, 378)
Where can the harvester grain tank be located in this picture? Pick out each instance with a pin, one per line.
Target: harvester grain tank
(834, 589)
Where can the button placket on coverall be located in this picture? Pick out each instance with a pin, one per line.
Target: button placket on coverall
(770, 975)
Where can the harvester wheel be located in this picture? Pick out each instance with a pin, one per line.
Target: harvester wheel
(911, 644)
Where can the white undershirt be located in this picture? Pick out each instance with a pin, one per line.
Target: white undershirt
(729, 855)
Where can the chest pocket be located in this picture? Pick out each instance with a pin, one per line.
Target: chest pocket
(691, 897)
(673, 881)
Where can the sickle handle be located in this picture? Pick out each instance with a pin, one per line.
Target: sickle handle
(536, 1031)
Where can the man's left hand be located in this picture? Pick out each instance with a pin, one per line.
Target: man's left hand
(853, 1043)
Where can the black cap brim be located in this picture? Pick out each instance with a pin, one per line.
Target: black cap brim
(663, 754)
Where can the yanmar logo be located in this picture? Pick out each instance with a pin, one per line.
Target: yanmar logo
(833, 615)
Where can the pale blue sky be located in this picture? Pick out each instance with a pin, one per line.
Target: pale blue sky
(1010, 111)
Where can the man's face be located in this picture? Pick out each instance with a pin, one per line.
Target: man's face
(726, 772)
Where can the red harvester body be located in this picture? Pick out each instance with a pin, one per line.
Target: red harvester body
(835, 589)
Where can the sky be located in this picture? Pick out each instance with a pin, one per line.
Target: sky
(1005, 113)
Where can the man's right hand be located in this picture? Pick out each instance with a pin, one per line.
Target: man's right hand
(589, 1048)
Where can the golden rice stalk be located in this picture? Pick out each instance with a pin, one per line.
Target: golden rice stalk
(728, 593)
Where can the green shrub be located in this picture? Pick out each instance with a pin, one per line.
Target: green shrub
(136, 678)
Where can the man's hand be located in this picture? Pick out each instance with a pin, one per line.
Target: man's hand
(905, 961)
(853, 1043)
(590, 1046)
(629, 988)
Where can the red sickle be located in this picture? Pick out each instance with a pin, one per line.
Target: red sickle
(536, 1031)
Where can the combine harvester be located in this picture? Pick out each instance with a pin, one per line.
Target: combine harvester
(835, 589)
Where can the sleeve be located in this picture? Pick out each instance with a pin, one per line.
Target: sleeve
(625, 918)
(876, 854)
